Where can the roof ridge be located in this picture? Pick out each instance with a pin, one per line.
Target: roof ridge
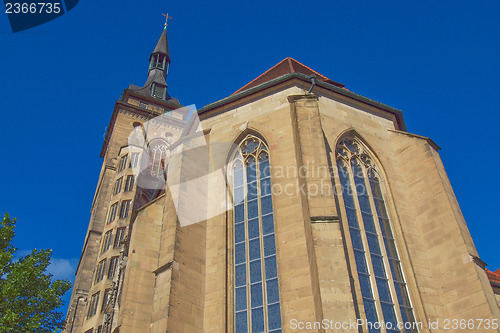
(290, 64)
(309, 68)
(261, 75)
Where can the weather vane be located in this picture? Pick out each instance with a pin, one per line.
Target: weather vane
(166, 18)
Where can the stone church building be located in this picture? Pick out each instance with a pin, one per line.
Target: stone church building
(330, 217)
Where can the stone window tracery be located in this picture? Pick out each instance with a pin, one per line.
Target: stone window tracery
(383, 288)
(256, 287)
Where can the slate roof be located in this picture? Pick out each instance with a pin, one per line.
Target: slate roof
(156, 75)
(162, 45)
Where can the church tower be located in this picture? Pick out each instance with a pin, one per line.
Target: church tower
(100, 271)
(334, 218)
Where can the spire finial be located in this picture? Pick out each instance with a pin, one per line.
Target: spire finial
(166, 19)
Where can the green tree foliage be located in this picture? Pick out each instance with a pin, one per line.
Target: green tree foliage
(28, 296)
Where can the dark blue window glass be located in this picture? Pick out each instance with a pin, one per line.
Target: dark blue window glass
(272, 291)
(360, 261)
(240, 296)
(389, 316)
(264, 167)
(267, 224)
(368, 222)
(255, 271)
(252, 191)
(271, 269)
(371, 314)
(239, 213)
(364, 203)
(240, 275)
(351, 217)
(265, 186)
(373, 243)
(390, 247)
(241, 322)
(366, 289)
(383, 291)
(269, 245)
(378, 266)
(239, 233)
(253, 209)
(257, 320)
(267, 205)
(256, 296)
(274, 315)
(357, 243)
(356, 239)
(251, 171)
(254, 248)
(371, 235)
(253, 228)
(239, 253)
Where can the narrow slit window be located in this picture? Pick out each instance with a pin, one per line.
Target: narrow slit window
(118, 186)
(124, 209)
(112, 212)
(106, 242)
(93, 304)
(101, 268)
(129, 184)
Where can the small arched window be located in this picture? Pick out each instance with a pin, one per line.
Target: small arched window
(256, 288)
(158, 152)
(383, 288)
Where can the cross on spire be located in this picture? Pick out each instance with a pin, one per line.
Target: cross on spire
(166, 19)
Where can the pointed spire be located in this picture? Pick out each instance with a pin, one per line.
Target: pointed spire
(162, 45)
(159, 62)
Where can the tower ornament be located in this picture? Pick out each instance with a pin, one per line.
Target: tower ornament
(166, 19)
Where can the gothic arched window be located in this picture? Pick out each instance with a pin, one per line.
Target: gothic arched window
(383, 288)
(158, 151)
(256, 287)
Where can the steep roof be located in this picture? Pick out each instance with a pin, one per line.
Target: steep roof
(286, 66)
(162, 45)
(494, 277)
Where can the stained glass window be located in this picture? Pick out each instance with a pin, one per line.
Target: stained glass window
(256, 287)
(383, 288)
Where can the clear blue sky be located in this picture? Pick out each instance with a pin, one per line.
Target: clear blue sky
(438, 61)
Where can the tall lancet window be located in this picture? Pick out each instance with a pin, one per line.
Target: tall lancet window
(383, 287)
(256, 288)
